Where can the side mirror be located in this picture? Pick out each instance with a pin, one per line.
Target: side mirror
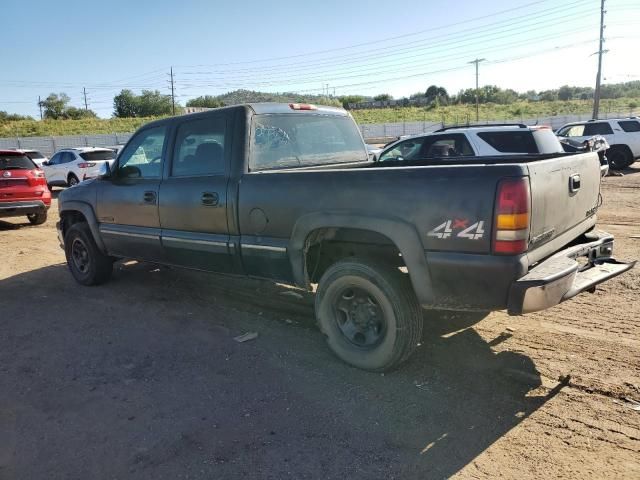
(103, 170)
(46, 164)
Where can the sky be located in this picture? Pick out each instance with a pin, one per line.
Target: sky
(356, 47)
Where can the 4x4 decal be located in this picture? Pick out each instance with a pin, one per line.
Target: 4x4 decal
(446, 229)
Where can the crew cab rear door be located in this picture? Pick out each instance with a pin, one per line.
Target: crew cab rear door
(565, 193)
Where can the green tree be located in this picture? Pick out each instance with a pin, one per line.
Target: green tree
(55, 105)
(383, 97)
(12, 117)
(345, 100)
(150, 103)
(565, 92)
(206, 101)
(74, 113)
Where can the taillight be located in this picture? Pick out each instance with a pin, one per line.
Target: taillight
(36, 177)
(86, 164)
(512, 216)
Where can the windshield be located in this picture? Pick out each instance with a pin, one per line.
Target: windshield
(291, 140)
(34, 155)
(15, 162)
(98, 155)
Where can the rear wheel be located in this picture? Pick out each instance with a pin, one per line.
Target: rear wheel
(88, 265)
(72, 180)
(37, 218)
(369, 313)
(619, 157)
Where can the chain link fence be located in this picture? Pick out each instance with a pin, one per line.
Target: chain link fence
(49, 145)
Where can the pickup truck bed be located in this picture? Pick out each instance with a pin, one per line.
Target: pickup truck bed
(295, 199)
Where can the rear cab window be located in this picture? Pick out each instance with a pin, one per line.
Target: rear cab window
(295, 140)
(17, 161)
(511, 141)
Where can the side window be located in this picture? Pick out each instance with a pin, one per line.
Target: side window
(67, 157)
(450, 145)
(142, 157)
(55, 160)
(573, 131)
(199, 148)
(407, 150)
(597, 128)
(511, 141)
(630, 125)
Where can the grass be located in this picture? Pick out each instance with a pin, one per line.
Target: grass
(514, 111)
(449, 114)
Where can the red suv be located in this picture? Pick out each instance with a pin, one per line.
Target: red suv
(23, 188)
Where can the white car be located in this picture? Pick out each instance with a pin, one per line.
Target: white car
(622, 134)
(70, 166)
(37, 157)
(473, 141)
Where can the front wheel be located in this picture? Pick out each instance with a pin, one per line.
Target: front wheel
(369, 314)
(88, 265)
(37, 218)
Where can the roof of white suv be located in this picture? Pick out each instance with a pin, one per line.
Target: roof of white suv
(84, 149)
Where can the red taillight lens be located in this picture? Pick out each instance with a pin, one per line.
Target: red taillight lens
(512, 216)
(36, 177)
(86, 164)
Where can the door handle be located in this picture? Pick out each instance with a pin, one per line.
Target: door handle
(150, 197)
(209, 199)
(574, 182)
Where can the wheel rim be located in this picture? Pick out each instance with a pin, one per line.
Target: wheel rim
(359, 317)
(80, 256)
(73, 181)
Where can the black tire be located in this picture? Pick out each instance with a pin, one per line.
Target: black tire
(88, 265)
(72, 180)
(393, 314)
(37, 218)
(619, 157)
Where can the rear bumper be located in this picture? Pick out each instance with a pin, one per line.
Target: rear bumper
(17, 209)
(567, 273)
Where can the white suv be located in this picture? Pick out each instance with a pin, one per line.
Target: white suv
(70, 166)
(476, 141)
(622, 134)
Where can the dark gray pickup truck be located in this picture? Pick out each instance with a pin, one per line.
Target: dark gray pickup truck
(286, 192)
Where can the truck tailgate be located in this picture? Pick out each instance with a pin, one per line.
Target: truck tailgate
(565, 194)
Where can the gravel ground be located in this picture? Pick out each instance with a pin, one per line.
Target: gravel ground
(141, 378)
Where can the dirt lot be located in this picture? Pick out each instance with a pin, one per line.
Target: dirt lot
(141, 378)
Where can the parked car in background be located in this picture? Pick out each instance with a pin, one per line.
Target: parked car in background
(623, 135)
(70, 166)
(373, 151)
(23, 188)
(37, 157)
(473, 141)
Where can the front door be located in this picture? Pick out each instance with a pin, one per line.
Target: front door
(128, 201)
(193, 197)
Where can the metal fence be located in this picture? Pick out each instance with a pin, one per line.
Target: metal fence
(49, 145)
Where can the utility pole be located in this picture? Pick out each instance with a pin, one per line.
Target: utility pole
(596, 95)
(477, 61)
(173, 96)
(84, 92)
(40, 105)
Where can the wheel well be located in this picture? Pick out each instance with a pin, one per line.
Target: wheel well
(325, 246)
(621, 146)
(71, 174)
(69, 218)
